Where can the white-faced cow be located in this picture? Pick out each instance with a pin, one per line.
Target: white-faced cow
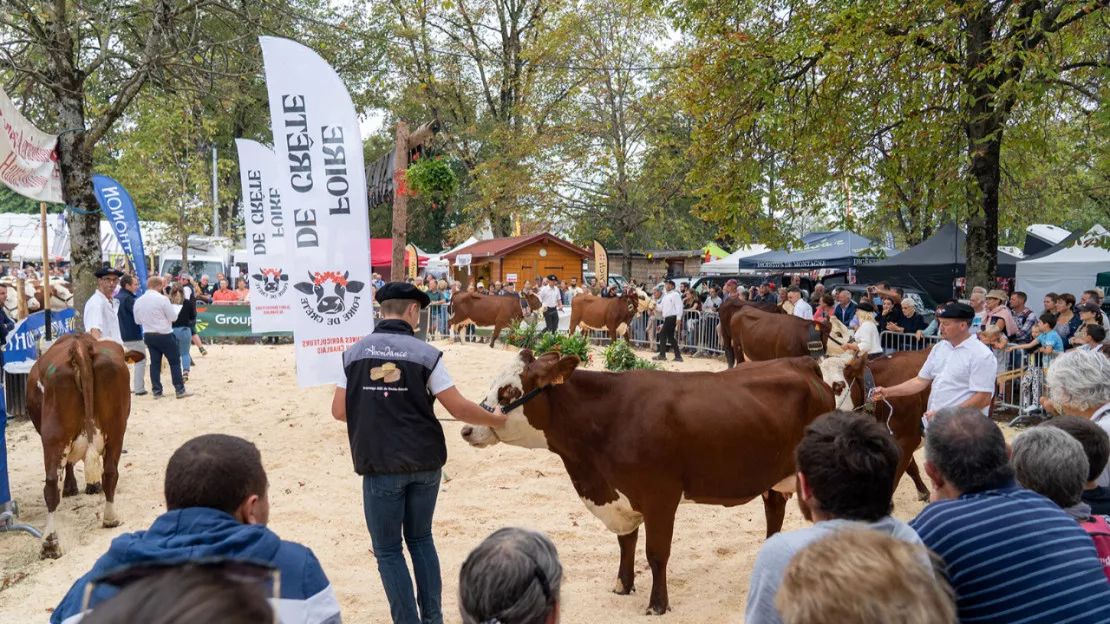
(636, 444)
(330, 289)
(79, 398)
(271, 280)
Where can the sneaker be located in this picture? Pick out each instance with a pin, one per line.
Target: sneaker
(679, 359)
(182, 395)
(185, 376)
(203, 351)
(140, 393)
(157, 395)
(660, 358)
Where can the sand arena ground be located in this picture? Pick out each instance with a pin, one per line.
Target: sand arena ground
(250, 391)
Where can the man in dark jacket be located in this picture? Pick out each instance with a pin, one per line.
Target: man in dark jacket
(217, 507)
(131, 332)
(390, 383)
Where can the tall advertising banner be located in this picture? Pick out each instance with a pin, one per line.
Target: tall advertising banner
(267, 223)
(28, 156)
(115, 203)
(322, 181)
(601, 265)
(412, 260)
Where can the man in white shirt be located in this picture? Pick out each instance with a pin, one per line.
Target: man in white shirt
(671, 305)
(156, 314)
(802, 309)
(552, 301)
(961, 369)
(102, 308)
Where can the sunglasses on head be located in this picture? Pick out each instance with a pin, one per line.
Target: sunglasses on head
(248, 572)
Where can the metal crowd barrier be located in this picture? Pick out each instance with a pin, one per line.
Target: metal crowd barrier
(898, 341)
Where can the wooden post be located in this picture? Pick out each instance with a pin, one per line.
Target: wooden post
(21, 297)
(45, 273)
(405, 143)
(400, 204)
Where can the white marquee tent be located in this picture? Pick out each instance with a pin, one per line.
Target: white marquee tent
(730, 264)
(25, 231)
(1070, 270)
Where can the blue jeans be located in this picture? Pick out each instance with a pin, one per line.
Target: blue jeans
(164, 345)
(399, 505)
(184, 338)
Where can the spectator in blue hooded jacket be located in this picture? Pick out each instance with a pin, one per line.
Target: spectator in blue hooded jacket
(217, 506)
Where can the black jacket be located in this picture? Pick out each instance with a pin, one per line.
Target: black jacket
(129, 330)
(391, 423)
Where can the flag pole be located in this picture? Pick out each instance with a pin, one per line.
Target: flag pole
(45, 274)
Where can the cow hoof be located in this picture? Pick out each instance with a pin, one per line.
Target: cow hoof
(923, 496)
(92, 488)
(51, 549)
(662, 610)
(70, 489)
(111, 523)
(620, 589)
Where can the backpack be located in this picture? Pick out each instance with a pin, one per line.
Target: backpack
(1099, 530)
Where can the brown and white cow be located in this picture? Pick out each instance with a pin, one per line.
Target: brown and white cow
(611, 313)
(61, 295)
(758, 335)
(79, 398)
(498, 311)
(902, 416)
(636, 444)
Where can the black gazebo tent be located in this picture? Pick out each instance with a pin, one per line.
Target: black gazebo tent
(823, 250)
(932, 265)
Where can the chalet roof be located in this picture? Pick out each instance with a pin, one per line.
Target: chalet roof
(499, 247)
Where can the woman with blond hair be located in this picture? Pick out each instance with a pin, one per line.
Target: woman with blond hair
(867, 335)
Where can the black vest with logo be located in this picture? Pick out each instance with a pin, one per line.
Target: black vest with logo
(391, 422)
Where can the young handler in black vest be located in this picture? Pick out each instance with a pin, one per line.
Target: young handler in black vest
(391, 381)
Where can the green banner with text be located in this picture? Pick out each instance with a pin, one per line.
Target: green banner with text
(222, 321)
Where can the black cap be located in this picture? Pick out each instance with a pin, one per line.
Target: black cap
(552, 277)
(865, 306)
(402, 290)
(1090, 306)
(960, 311)
(106, 271)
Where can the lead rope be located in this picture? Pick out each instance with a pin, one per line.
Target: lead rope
(868, 400)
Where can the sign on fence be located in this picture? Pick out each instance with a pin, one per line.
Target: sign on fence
(228, 321)
(21, 350)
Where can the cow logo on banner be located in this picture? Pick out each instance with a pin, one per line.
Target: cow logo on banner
(327, 298)
(270, 283)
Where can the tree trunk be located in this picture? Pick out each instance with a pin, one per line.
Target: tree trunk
(626, 261)
(84, 229)
(400, 204)
(982, 227)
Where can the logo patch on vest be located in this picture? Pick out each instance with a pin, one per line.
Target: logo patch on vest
(386, 373)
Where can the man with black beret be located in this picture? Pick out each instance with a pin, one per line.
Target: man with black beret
(552, 301)
(961, 369)
(391, 382)
(102, 309)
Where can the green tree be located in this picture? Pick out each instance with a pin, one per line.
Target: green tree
(945, 88)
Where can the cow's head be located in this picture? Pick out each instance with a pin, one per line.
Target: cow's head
(644, 302)
(818, 338)
(533, 301)
(330, 289)
(270, 279)
(839, 335)
(839, 372)
(524, 374)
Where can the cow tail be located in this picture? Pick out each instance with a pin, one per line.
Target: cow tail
(80, 359)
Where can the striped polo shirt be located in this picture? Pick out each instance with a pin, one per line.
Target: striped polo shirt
(1014, 557)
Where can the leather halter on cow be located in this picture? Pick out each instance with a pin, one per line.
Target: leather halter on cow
(721, 438)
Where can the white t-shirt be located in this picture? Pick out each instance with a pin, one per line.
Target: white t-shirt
(802, 309)
(438, 381)
(550, 297)
(867, 337)
(959, 372)
(101, 314)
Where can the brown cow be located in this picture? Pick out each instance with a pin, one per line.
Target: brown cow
(902, 417)
(726, 311)
(636, 444)
(758, 335)
(78, 398)
(486, 310)
(612, 313)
